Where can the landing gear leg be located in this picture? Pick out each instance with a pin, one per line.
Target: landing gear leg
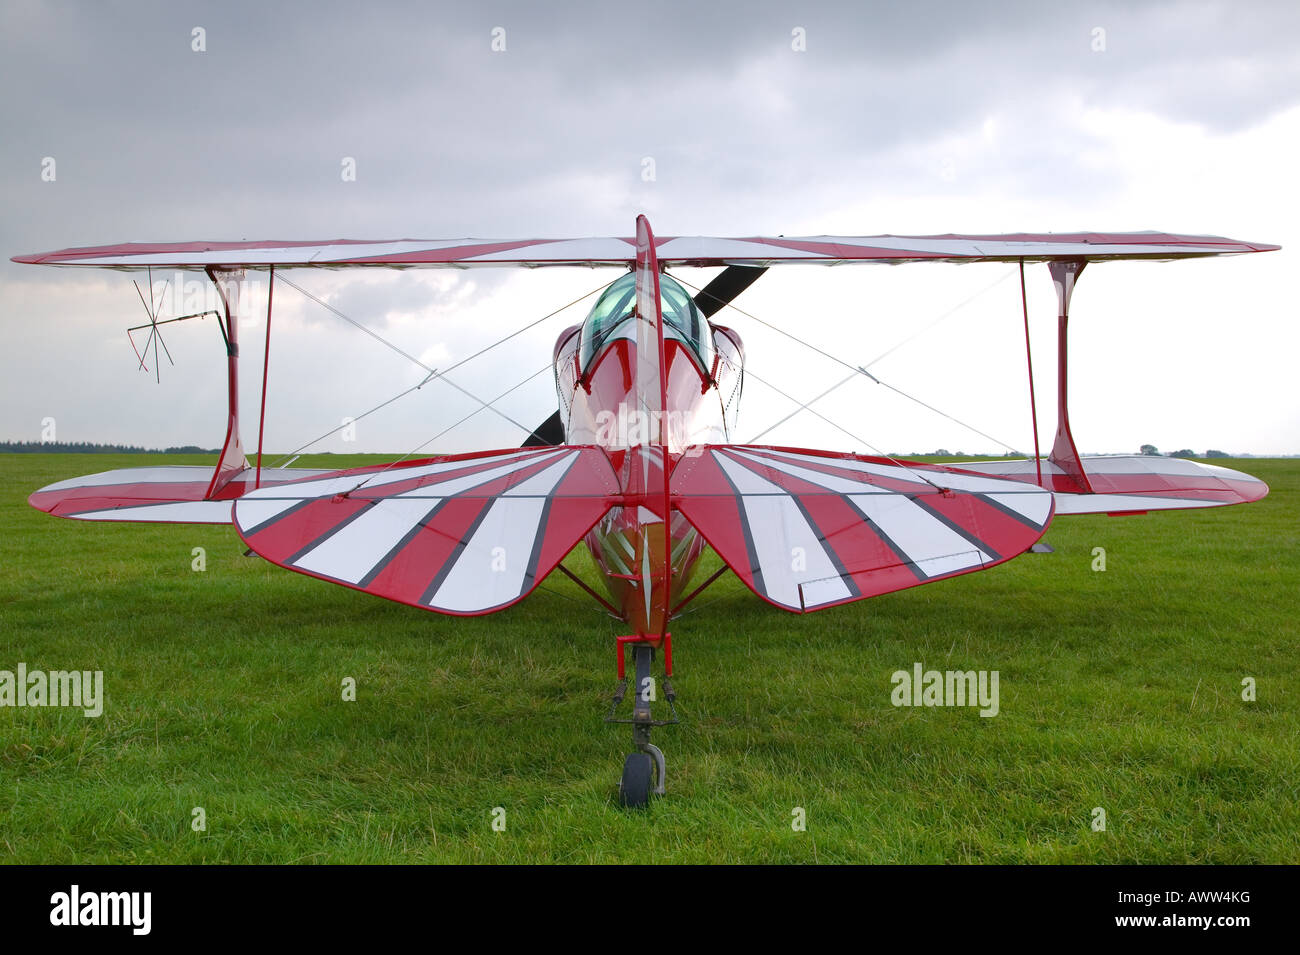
(644, 771)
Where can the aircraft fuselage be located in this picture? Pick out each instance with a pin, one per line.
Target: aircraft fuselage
(602, 403)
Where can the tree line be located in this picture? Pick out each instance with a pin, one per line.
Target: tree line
(90, 447)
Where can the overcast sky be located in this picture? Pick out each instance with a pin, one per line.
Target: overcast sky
(753, 118)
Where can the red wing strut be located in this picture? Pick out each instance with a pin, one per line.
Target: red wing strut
(807, 529)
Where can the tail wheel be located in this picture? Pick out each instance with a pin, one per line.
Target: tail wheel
(634, 788)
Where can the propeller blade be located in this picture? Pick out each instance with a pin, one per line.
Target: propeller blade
(726, 286)
(547, 434)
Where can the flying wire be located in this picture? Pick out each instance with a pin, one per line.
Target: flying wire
(452, 427)
(433, 373)
(862, 369)
(855, 437)
(803, 406)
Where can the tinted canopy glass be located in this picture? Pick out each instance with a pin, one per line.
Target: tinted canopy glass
(682, 320)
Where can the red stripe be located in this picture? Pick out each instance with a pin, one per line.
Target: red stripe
(285, 536)
(857, 547)
(826, 465)
(706, 499)
(116, 495)
(453, 253)
(409, 573)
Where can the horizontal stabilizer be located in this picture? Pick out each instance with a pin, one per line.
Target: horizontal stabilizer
(464, 534)
(810, 529)
(1134, 483)
(167, 495)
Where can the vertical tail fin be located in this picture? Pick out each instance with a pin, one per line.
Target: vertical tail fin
(652, 401)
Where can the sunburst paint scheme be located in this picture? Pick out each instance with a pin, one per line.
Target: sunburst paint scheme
(647, 471)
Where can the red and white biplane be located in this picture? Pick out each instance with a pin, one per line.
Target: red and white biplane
(639, 460)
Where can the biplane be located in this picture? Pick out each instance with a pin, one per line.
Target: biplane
(639, 460)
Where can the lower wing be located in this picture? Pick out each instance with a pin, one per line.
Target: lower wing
(811, 529)
(1129, 484)
(167, 495)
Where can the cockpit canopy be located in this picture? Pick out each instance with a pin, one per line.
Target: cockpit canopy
(610, 319)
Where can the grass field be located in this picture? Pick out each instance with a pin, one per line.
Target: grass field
(1119, 689)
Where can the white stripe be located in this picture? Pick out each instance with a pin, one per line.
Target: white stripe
(1018, 466)
(280, 475)
(703, 247)
(159, 475)
(831, 482)
(595, 249)
(179, 474)
(817, 593)
(484, 577)
(929, 543)
(180, 512)
(351, 553)
(355, 549)
(777, 527)
(283, 254)
(956, 482)
(370, 250)
(924, 539)
(862, 467)
(543, 482)
(1109, 503)
(1034, 507)
(1098, 465)
(467, 482)
(1032, 503)
(250, 515)
(478, 580)
(299, 490)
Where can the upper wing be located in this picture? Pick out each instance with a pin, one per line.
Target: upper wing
(1134, 483)
(465, 534)
(672, 251)
(812, 529)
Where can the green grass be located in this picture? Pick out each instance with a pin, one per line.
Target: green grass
(1119, 689)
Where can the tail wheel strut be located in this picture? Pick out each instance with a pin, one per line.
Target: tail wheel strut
(644, 771)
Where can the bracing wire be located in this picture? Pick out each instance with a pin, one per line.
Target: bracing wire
(855, 437)
(803, 406)
(419, 447)
(862, 369)
(433, 373)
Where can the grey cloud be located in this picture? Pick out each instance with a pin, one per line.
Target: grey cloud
(155, 141)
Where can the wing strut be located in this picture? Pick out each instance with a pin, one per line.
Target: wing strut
(1029, 360)
(266, 366)
(1065, 272)
(233, 460)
